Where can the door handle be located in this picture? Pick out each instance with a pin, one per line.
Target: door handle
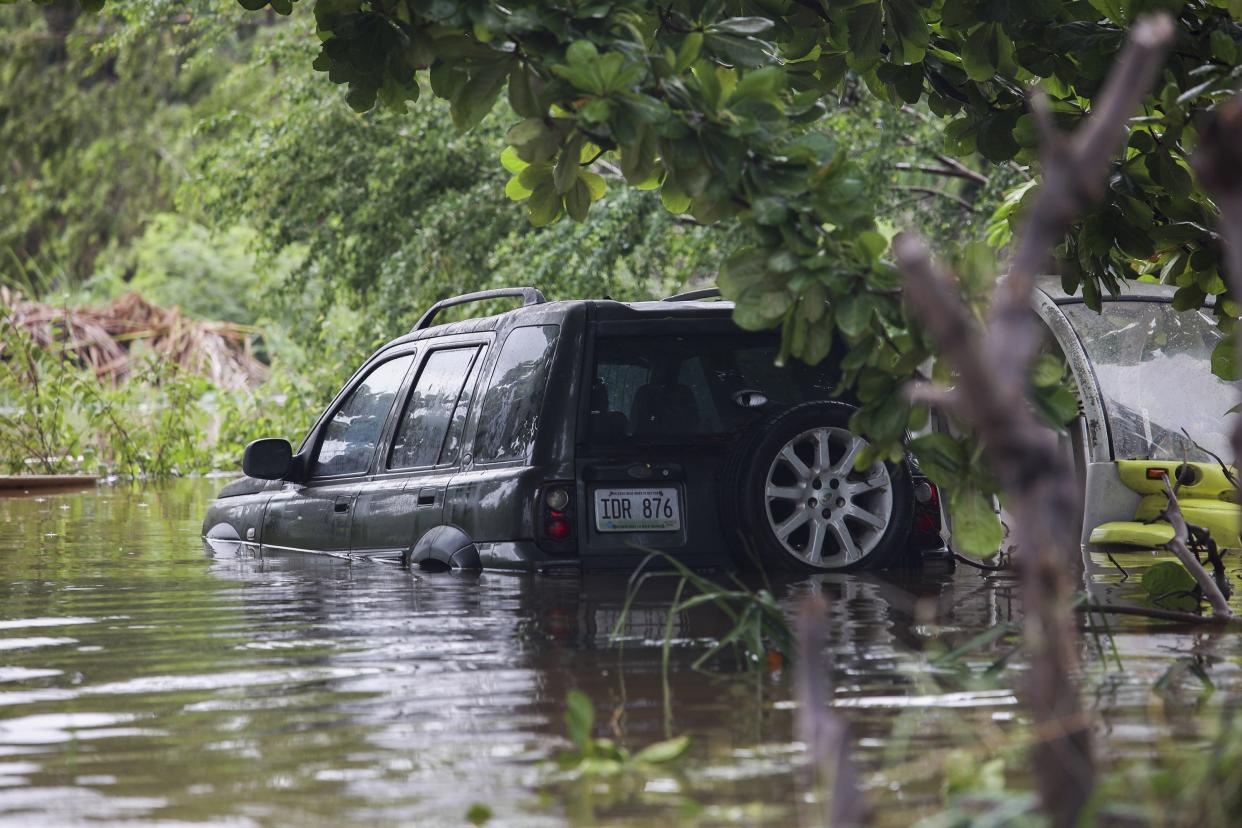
(426, 500)
(341, 507)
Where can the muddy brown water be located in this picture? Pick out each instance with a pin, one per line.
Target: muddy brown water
(145, 679)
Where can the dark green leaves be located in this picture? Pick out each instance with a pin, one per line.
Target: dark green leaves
(907, 32)
(942, 458)
(598, 74)
(866, 31)
(984, 51)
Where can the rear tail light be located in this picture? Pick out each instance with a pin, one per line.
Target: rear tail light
(556, 513)
(926, 509)
(556, 498)
(557, 527)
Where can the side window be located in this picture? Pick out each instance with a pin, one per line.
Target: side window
(350, 436)
(508, 419)
(452, 443)
(430, 409)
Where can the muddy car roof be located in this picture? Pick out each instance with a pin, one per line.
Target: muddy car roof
(604, 309)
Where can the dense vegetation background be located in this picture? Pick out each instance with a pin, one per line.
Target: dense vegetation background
(157, 147)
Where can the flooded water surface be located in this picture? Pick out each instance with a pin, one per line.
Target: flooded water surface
(145, 679)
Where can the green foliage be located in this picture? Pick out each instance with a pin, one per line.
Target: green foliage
(757, 624)
(95, 138)
(57, 417)
(976, 526)
(179, 262)
(1169, 584)
(957, 471)
(592, 757)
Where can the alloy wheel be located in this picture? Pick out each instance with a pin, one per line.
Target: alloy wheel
(821, 510)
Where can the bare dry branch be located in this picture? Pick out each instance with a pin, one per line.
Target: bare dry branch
(932, 191)
(820, 728)
(992, 369)
(1178, 546)
(953, 170)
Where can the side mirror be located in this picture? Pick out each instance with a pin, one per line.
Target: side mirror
(268, 459)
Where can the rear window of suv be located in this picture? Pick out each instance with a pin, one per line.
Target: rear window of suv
(676, 387)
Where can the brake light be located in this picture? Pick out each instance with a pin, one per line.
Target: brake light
(557, 527)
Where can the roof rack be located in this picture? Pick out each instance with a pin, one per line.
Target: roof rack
(528, 295)
(694, 295)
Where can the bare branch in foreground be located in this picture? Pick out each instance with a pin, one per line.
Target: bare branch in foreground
(820, 728)
(992, 369)
(1178, 546)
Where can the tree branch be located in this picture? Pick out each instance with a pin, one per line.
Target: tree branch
(992, 369)
(1181, 534)
(950, 171)
(961, 202)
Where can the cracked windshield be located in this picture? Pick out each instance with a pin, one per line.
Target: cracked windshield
(620, 413)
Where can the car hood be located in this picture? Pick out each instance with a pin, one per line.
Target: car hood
(249, 485)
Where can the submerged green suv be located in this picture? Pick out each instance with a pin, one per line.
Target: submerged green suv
(580, 434)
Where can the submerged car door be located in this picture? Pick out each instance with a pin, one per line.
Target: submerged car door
(314, 516)
(405, 496)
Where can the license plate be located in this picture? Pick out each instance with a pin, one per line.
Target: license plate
(637, 510)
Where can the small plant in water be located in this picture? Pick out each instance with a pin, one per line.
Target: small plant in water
(604, 757)
(759, 634)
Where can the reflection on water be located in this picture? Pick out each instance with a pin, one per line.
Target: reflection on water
(144, 678)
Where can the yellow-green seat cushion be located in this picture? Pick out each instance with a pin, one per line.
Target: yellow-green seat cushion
(1133, 533)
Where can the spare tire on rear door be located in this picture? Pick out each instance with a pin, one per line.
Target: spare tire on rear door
(791, 496)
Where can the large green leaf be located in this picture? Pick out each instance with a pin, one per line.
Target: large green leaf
(1169, 584)
(908, 34)
(976, 526)
(866, 31)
